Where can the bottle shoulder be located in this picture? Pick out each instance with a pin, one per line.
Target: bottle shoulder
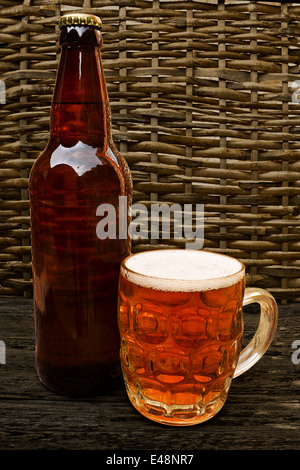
(80, 166)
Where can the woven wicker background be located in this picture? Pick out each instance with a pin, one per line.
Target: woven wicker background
(204, 110)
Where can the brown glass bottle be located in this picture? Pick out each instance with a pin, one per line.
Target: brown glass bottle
(75, 273)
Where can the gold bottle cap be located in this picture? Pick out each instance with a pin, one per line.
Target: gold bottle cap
(80, 18)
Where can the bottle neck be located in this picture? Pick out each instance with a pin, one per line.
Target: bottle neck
(79, 107)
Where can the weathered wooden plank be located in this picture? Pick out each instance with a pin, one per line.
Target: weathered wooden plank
(262, 410)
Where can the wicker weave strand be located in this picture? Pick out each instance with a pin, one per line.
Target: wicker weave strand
(204, 108)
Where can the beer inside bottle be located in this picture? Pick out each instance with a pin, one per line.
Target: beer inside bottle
(75, 273)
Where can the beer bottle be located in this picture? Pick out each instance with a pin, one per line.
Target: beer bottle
(75, 272)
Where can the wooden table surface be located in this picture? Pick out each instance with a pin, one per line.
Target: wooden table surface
(262, 411)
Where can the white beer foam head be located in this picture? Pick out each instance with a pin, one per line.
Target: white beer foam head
(182, 270)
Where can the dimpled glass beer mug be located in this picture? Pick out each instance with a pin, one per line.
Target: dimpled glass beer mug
(181, 326)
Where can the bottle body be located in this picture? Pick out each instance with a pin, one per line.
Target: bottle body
(75, 274)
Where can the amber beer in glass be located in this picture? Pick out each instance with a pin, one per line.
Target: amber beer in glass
(75, 273)
(181, 326)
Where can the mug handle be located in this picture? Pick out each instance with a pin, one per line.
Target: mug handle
(265, 332)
